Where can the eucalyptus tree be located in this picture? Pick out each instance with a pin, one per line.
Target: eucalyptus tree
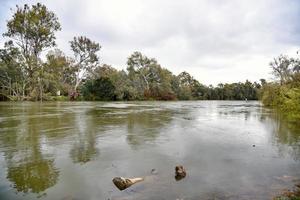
(119, 79)
(295, 65)
(149, 78)
(59, 74)
(186, 86)
(162, 86)
(33, 29)
(138, 67)
(286, 95)
(12, 77)
(281, 68)
(86, 58)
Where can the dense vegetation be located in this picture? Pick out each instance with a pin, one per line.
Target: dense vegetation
(284, 93)
(26, 75)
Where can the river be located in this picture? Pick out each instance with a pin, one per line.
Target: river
(72, 150)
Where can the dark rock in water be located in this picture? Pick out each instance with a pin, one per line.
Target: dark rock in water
(123, 183)
(180, 172)
(253, 145)
(187, 118)
(154, 171)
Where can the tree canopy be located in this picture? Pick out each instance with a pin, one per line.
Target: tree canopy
(32, 30)
(284, 92)
(25, 74)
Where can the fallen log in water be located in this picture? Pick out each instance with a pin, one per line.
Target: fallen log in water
(123, 183)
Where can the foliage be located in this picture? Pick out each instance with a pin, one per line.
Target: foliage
(59, 73)
(85, 52)
(161, 84)
(26, 76)
(284, 92)
(100, 89)
(13, 78)
(32, 29)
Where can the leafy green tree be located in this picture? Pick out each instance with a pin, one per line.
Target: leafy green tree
(12, 77)
(281, 68)
(139, 70)
(149, 79)
(163, 85)
(123, 88)
(189, 88)
(33, 30)
(86, 58)
(103, 71)
(285, 95)
(100, 89)
(59, 73)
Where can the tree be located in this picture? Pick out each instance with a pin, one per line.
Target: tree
(162, 86)
(12, 77)
(262, 81)
(285, 96)
(281, 68)
(59, 75)
(295, 68)
(86, 58)
(188, 86)
(123, 89)
(138, 65)
(149, 79)
(100, 89)
(33, 30)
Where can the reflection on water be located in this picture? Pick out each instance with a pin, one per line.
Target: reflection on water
(84, 148)
(145, 126)
(286, 135)
(72, 150)
(28, 169)
(33, 176)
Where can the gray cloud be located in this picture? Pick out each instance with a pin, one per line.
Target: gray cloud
(214, 40)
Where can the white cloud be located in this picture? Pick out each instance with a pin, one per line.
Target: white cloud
(215, 40)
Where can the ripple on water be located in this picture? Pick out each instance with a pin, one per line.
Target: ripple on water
(61, 148)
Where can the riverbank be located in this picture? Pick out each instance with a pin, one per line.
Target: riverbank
(284, 98)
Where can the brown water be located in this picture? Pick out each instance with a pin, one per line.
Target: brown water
(72, 150)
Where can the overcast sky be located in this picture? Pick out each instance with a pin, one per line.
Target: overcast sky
(214, 40)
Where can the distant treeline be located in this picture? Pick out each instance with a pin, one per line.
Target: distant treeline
(25, 76)
(152, 82)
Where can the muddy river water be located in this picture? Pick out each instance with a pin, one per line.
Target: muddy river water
(72, 150)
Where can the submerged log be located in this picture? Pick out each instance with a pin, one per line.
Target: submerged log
(123, 183)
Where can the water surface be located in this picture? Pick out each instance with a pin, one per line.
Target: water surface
(72, 150)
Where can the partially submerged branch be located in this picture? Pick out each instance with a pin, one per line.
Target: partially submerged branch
(123, 183)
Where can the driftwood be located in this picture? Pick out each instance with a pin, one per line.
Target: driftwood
(123, 183)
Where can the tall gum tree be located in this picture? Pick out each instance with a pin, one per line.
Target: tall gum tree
(138, 65)
(33, 30)
(86, 58)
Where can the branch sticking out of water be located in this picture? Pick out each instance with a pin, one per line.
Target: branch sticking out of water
(123, 183)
